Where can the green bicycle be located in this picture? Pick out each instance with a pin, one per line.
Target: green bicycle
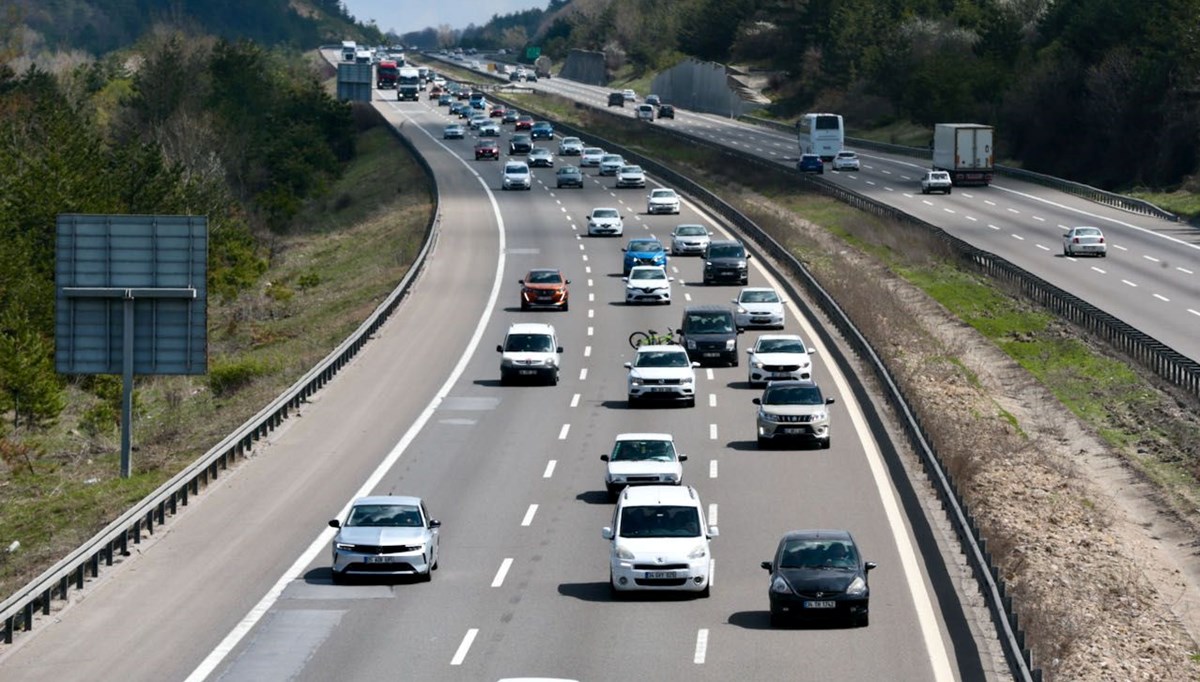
(651, 338)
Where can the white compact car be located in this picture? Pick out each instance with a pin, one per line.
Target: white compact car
(659, 541)
(648, 284)
(591, 156)
(759, 307)
(1084, 241)
(777, 357)
(530, 351)
(611, 163)
(570, 146)
(936, 181)
(385, 536)
(607, 221)
(662, 201)
(642, 459)
(516, 175)
(693, 239)
(846, 161)
(631, 176)
(661, 372)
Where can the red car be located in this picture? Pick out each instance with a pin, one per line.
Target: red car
(545, 288)
(524, 123)
(487, 149)
(497, 111)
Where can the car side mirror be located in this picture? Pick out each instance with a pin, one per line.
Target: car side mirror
(603, 458)
(748, 256)
(670, 279)
(567, 281)
(334, 523)
(629, 365)
(741, 330)
(766, 565)
(434, 523)
(757, 401)
(682, 458)
(520, 281)
(829, 401)
(558, 350)
(871, 565)
(695, 365)
(812, 351)
(607, 533)
(733, 301)
(713, 531)
(624, 279)
(499, 348)
(622, 248)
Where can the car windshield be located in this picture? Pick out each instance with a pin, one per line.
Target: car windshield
(571, 140)
(691, 231)
(521, 138)
(660, 521)
(645, 246)
(540, 151)
(515, 170)
(631, 169)
(405, 515)
(663, 194)
(647, 273)
(612, 158)
(643, 451)
(604, 213)
(662, 358)
(780, 346)
(544, 277)
(793, 395)
(593, 151)
(818, 554)
(726, 251)
(529, 343)
(1087, 232)
(759, 297)
(709, 323)
(568, 170)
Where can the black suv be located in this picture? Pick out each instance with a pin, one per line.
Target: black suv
(725, 261)
(709, 333)
(666, 111)
(520, 144)
(616, 99)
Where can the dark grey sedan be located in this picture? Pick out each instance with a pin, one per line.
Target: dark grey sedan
(569, 176)
(818, 575)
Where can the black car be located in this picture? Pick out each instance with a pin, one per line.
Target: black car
(725, 261)
(616, 99)
(666, 111)
(819, 574)
(569, 176)
(520, 144)
(709, 333)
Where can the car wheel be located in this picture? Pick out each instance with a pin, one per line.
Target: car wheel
(524, 306)
(706, 592)
(947, 190)
(633, 401)
(566, 306)
(554, 378)
(924, 191)
(337, 577)
(426, 576)
(1065, 252)
(863, 620)
(1104, 254)
(691, 402)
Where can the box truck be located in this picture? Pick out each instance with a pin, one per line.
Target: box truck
(965, 151)
(409, 84)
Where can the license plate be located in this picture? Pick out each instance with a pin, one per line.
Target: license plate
(794, 430)
(379, 560)
(711, 355)
(652, 575)
(527, 372)
(820, 604)
(661, 389)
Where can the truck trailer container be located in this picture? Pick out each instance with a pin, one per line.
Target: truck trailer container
(965, 151)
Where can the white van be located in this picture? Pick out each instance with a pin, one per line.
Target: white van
(658, 541)
(644, 112)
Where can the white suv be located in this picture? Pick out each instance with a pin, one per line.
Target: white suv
(530, 351)
(642, 459)
(659, 541)
(661, 373)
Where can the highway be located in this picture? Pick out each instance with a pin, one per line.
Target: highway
(239, 586)
(1150, 279)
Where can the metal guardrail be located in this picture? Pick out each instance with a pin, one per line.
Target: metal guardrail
(1121, 201)
(18, 611)
(991, 584)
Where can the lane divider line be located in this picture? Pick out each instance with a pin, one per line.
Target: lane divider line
(550, 468)
(562, 434)
(529, 515)
(500, 574)
(712, 468)
(701, 646)
(463, 648)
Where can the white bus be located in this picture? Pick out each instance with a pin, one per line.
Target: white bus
(821, 134)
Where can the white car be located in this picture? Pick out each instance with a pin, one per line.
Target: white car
(659, 541)
(846, 161)
(690, 239)
(591, 156)
(516, 175)
(570, 146)
(477, 121)
(776, 357)
(936, 181)
(642, 459)
(610, 164)
(530, 351)
(489, 129)
(648, 284)
(631, 176)
(644, 112)
(759, 307)
(385, 536)
(662, 201)
(605, 221)
(629, 95)
(661, 372)
(1084, 240)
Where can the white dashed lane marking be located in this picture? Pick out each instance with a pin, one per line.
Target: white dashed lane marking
(529, 515)
(701, 646)
(550, 468)
(712, 468)
(1162, 298)
(504, 566)
(1129, 283)
(464, 647)
(562, 433)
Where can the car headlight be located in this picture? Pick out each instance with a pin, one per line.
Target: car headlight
(708, 264)
(344, 546)
(857, 588)
(741, 264)
(624, 553)
(731, 344)
(698, 552)
(766, 416)
(804, 365)
(671, 478)
(820, 416)
(780, 586)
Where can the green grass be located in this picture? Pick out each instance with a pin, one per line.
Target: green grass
(902, 132)
(1183, 204)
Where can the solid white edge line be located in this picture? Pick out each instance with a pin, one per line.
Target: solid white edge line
(701, 646)
(529, 513)
(500, 574)
(463, 648)
(550, 468)
(247, 623)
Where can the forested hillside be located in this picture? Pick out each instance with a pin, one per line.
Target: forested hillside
(1101, 91)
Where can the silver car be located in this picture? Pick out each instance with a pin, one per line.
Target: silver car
(759, 307)
(630, 176)
(692, 239)
(570, 146)
(611, 163)
(793, 410)
(540, 157)
(591, 156)
(1084, 240)
(516, 176)
(385, 536)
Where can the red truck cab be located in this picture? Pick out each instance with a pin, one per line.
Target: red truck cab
(386, 73)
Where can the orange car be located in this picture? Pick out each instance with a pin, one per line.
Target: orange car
(545, 288)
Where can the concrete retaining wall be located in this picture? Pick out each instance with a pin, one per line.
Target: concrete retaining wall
(706, 86)
(586, 67)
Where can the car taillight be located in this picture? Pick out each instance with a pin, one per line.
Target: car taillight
(1102, 240)
(1075, 240)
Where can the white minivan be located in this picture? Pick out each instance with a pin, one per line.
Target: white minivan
(644, 112)
(659, 541)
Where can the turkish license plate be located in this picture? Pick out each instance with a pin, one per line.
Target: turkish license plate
(661, 389)
(820, 604)
(380, 559)
(654, 575)
(711, 355)
(795, 430)
(526, 372)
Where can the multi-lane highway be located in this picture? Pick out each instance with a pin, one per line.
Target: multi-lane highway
(1150, 279)
(239, 587)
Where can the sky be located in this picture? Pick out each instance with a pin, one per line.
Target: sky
(403, 16)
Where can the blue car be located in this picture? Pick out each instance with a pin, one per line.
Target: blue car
(542, 130)
(644, 251)
(811, 163)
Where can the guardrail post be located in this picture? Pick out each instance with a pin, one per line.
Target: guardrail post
(79, 577)
(27, 614)
(46, 596)
(64, 584)
(8, 630)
